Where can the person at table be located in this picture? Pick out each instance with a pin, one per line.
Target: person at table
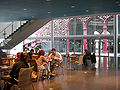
(42, 62)
(16, 69)
(55, 58)
(55, 55)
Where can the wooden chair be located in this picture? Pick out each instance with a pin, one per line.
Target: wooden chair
(81, 59)
(25, 79)
(73, 57)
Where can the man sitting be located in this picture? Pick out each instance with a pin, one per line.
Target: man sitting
(55, 58)
(55, 55)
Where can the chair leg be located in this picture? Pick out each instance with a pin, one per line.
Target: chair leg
(33, 87)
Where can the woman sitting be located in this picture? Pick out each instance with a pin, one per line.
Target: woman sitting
(42, 62)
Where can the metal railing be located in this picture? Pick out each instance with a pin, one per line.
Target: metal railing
(10, 29)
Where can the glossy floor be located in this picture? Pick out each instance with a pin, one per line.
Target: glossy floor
(85, 79)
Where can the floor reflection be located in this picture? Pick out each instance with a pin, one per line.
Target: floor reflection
(103, 78)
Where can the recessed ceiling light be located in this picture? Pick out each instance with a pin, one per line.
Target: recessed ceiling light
(86, 10)
(49, 12)
(72, 6)
(48, 0)
(65, 15)
(33, 16)
(25, 9)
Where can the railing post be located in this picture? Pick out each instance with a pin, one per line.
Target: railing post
(4, 34)
(12, 30)
(20, 26)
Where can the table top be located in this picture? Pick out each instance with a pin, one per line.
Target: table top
(72, 56)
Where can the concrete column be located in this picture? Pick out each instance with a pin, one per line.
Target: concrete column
(116, 50)
(52, 33)
(116, 40)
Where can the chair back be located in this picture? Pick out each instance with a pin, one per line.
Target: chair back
(25, 77)
(73, 57)
(81, 59)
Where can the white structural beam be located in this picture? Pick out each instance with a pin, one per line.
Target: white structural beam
(116, 40)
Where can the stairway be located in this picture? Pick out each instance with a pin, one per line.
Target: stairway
(23, 32)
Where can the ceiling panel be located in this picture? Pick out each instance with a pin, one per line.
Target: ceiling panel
(12, 10)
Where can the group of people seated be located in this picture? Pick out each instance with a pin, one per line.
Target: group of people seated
(54, 59)
(22, 61)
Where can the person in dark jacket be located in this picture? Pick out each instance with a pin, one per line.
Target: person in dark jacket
(87, 56)
(93, 58)
(14, 74)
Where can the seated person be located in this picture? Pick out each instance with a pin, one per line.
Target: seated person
(55, 58)
(14, 74)
(42, 62)
(55, 55)
(41, 59)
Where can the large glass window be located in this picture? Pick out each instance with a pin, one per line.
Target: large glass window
(110, 27)
(37, 45)
(94, 27)
(71, 45)
(60, 45)
(78, 46)
(75, 28)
